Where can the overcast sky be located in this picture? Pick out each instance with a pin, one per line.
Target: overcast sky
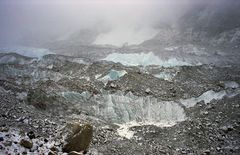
(129, 20)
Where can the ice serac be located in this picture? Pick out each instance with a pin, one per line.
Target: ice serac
(210, 95)
(146, 110)
(128, 110)
(113, 75)
(143, 59)
(120, 108)
(165, 76)
(231, 84)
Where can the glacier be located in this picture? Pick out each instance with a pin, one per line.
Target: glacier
(26, 51)
(231, 84)
(128, 110)
(165, 76)
(143, 59)
(120, 108)
(208, 96)
(112, 75)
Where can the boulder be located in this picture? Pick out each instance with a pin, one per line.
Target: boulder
(31, 135)
(26, 143)
(79, 138)
(148, 91)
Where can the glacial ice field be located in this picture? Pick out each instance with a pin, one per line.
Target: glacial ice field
(111, 76)
(143, 59)
(130, 110)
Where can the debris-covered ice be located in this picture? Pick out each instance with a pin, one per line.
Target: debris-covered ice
(165, 76)
(112, 75)
(231, 84)
(143, 59)
(208, 96)
(120, 108)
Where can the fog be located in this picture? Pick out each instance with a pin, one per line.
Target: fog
(117, 22)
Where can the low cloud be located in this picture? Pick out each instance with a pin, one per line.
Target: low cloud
(131, 21)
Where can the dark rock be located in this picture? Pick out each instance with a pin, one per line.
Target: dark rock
(39, 99)
(54, 149)
(227, 128)
(183, 152)
(52, 153)
(148, 91)
(31, 135)
(1, 139)
(26, 143)
(4, 129)
(7, 143)
(207, 152)
(75, 153)
(79, 139)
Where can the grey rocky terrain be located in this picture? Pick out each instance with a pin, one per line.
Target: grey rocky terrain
(176, 93)
(132, 109)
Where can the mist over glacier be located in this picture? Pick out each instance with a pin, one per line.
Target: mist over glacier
(118, 77)
(118, 22)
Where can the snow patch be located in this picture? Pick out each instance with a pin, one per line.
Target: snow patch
(143, 59)
(124, 130)
(15, 137)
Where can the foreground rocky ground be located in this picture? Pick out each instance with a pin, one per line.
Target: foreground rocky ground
(48, 103)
